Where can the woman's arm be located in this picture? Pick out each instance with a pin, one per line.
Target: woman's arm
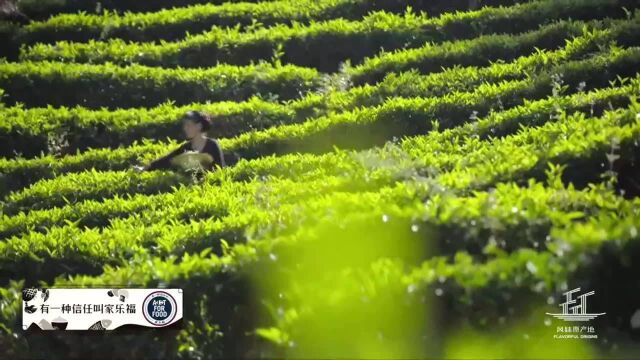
(165, 161)
(213, 149)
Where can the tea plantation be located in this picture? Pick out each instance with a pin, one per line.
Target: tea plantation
(405, 179)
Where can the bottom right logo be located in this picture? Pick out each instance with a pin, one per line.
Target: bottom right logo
(574, 309)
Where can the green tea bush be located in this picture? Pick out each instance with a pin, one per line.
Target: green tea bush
(324, 45)
(484, 49)
(107, 85)
(45, 8)
(175, 23)
(42, 9)
(409, 116)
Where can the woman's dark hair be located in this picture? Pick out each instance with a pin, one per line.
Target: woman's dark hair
(200, 118)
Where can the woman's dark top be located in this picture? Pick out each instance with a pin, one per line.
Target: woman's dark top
(211, 147)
